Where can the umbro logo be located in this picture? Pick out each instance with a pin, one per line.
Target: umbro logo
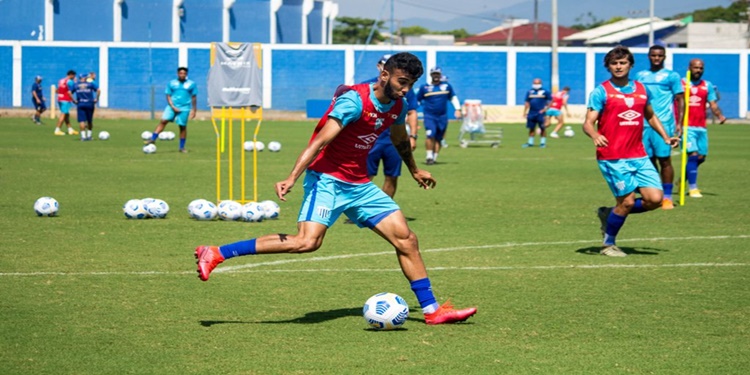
(368, 138)
(629, 115)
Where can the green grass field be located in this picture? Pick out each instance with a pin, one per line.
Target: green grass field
(510, 230)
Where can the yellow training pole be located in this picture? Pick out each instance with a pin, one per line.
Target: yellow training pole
(685, 125)
(218, 159)
(230, 156)
(52, 102)
(255, 162)
(223, 128)
(242, 158)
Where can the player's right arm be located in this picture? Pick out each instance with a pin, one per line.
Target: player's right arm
(655, 124)
(33, 93)
(597, 100)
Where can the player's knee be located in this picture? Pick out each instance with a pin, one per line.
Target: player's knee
(306, 246)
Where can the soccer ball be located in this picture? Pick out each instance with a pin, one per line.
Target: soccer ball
(202, 210)
(253, 212)
(46, 206)
(149, 148)
(157, 208)
(164, 136)
(260, 146)
(230, 210)
(248, 145)
(103, 135)
(146, 135)
(170, 136)
(569, 133)
(274, 146)
(385, 311)
(135, 209)
(270, 209)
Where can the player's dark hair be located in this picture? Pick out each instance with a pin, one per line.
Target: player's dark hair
(181, 69)
(566, 88)
(73, 72)
(617, 53)
(657, 48)
(406, 62)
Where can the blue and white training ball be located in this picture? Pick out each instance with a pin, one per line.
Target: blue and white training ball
(163, 136)
(146, 135)
(46, 206)
(230, 210)
(252, 212)
(259, 146)
(569, 133)
(103, 135)
(203, 210)
(271, 209)
(135, 209)
(157, 209)
(274, 146)
(385, 311)
(149, 148)
(248, 146)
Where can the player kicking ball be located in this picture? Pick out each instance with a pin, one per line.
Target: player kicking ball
(618, 107)
(335, 163)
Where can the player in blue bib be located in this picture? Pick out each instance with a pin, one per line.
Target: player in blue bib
(664, 88)
(182, 95)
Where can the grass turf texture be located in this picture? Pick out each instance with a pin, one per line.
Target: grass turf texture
(510, 230)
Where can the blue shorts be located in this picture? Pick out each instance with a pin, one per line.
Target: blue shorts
(434, 127)
(64, 107)
(385, 151)
(535, 119)
(85, 114)
(39, 106)
(625, 175)
(326, 198)
(654, 143)
(553, 112)
(697, 140)
(180, 119)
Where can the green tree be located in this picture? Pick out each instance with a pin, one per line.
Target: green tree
(355, 30)
(413, 30)
(457, 33)
(735, 12)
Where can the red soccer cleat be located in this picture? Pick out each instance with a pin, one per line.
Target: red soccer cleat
(208, 258)
(446, 314)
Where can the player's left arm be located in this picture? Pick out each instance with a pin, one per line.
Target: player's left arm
(400, 140)
(98, 92)
(655, 124)
(679, 92)
(456, 103)
(713, 98)
(193, 106)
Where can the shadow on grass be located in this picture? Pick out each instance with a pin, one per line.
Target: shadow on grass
(311, 318)
(594, 250)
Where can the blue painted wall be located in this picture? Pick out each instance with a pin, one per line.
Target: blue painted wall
(303, 78)
(198, 66)
(130, 80)
(83, 20)
(6, 78)
(570, 68)
(315, 24)
(201, 21)
(53, 63)
(147, 20)
(289, 22)
(487, 82)
(249, 21)
(20, 18)
(714, 66)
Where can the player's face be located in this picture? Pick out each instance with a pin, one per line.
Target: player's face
(619, 68)
(436, 77)
(398, 84)
(182, 75)
(696, 70)
(656, 57)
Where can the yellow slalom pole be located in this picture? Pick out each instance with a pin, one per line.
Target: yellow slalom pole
(685, 125)
(218, 159)
(242, 158)
(223, 128)
(230, 156)
(255, 162)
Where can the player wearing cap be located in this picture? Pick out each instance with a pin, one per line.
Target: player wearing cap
(384, 150)
(434, 97)
(37, 98)
(85, 95)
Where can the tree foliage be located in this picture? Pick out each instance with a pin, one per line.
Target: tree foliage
(589, 21)
(735, 12)
(355, 30)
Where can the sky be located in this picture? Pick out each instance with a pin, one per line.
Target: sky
(478, 15)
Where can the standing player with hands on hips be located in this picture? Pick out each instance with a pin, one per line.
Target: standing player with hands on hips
(618, 107)
(335, 164)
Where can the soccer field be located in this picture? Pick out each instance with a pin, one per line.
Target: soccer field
(512, 231)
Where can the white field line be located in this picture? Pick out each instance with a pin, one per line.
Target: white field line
(247, 268)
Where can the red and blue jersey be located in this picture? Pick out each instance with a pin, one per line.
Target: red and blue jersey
(364, 119)
(701, 93)
(63, 89)
(621, 115)
(558, 99)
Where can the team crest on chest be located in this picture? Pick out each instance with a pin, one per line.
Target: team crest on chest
(378, 123)
(629, 101)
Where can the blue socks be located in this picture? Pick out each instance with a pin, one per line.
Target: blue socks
(423, 290)
(637, 207)
(542, 141)
(182, 143)
(238, 249)
(154, 135)
(531, 140)
(667, 190)
(692, 171)
(614, 223)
